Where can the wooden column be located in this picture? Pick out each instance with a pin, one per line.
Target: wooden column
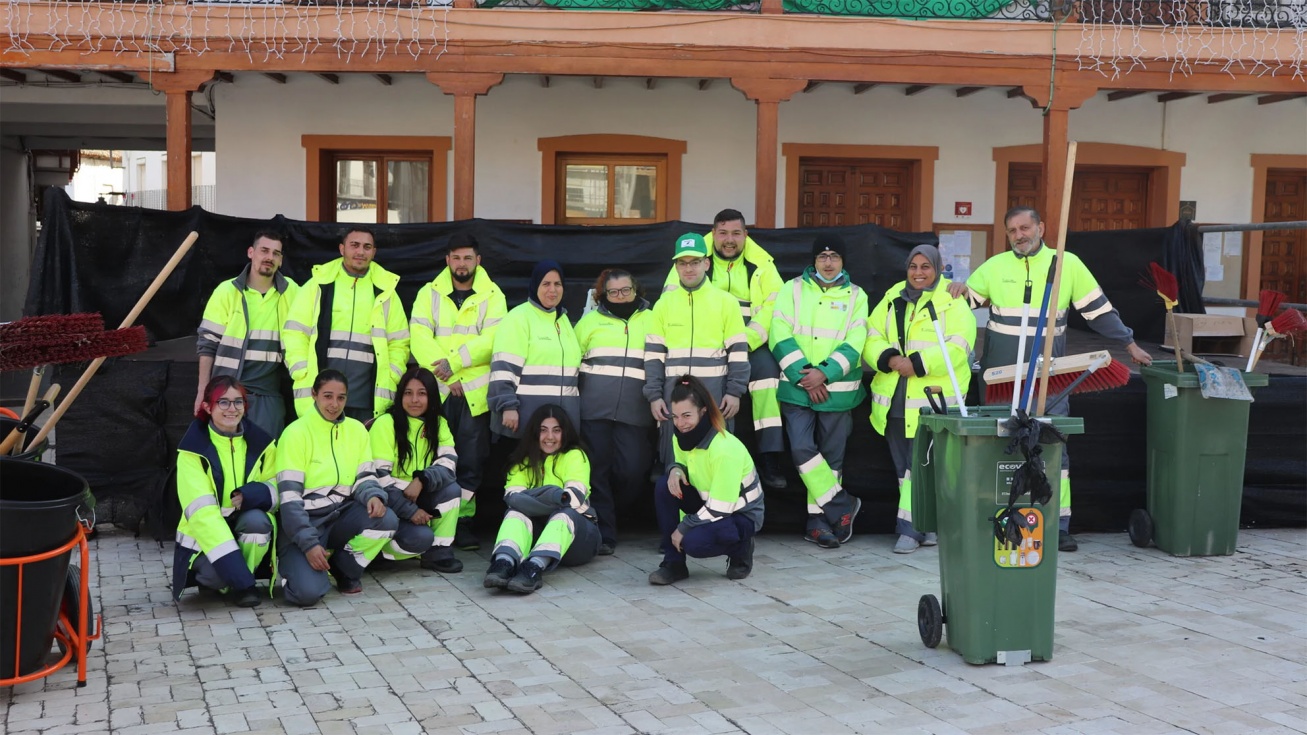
(768, 94)
(465, 88)
(1053, 147)
(178, 86)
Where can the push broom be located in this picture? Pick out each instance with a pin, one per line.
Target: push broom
(1288, 323)
(1167, 287)
(54, 346)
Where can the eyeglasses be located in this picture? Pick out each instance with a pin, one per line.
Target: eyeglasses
(828, 257)
(614, 293)
(230, 403)
(690, 262)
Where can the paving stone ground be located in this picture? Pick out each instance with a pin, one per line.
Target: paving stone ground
(815, 642)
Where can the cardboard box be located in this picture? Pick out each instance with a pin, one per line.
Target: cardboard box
(1209, 334)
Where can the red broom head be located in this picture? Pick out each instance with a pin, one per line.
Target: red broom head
(1112, 375)
(1289, 323)
(75, 347)
(1163, 282)
(1267, 304)
(55, 325)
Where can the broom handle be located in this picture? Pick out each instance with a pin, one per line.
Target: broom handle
(1175, 334)
(1050, 329)
(1256, 351)
(32, 388)
(127, 322)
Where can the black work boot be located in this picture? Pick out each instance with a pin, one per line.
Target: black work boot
(465, 537)
(740, 567)
(769, 471)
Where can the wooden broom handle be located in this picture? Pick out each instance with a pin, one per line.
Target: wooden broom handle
(1050, 327)
(127, 322)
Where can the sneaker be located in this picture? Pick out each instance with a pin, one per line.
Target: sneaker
(607, 548)
(248, 597)
(668, 573)
(527, 579)
(741, 567)
(769, 471)
(846, 523)
(465, 537)
(497, 576)
(823, 538)
(1067, 542)
(348, 586)
(932, 539)
(906, 545)
(441, 559)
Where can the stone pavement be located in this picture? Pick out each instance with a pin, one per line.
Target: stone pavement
(815, 642)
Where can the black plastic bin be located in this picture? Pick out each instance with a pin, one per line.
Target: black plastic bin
(39, 509)
(34, 453)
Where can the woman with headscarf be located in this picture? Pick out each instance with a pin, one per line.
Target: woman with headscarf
(905, 353)
(536, 358)
(615, 420)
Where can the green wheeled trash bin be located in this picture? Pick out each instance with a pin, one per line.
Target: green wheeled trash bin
(1196, 450)
(997, 599)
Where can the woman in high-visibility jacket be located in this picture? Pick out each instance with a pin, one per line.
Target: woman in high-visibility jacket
(903, 349)
(548, 488)
(417, 465)
(536, 357)
(615, 420)
(333, 511)
(224, 482)
(710, 501)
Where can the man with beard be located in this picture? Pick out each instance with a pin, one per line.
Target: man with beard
(240, 333)
(1000, 283)
(453, 328)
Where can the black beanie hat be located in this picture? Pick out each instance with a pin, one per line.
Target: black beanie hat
(538, 274)
(828, 241)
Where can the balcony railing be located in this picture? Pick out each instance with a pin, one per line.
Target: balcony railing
(205, 196)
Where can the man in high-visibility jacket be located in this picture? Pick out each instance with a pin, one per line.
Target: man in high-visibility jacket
(1000, 283)
(696, 330)
(453, 328)
(348, 317)
(240, 333)
(819, 326)
(743, 269)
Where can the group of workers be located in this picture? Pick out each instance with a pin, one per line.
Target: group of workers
(386, 460)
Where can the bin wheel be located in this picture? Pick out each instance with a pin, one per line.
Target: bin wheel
(930, 620)
(72, 591)
(1140, 528)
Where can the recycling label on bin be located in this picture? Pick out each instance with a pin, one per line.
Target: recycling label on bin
(1030, 552)
(1003, 475)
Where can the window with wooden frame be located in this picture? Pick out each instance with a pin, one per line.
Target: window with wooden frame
(608, 179)
(376, 179)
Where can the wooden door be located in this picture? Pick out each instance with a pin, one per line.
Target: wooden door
(1102, 197)
(834, 192)
(1284, 252)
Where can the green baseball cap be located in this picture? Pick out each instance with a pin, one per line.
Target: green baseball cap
(690, 245)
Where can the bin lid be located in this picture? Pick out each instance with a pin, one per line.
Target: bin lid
(1163, 371)
(987, 420)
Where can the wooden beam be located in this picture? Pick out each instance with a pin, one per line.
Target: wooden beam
(544, 80)
(1225, 97)
(860, 88)
(1270, 99)
(811, 86)
(1124, 94)
(767, 94)
(1173, 96)
(384, 79)
(332, 78)
(916, 89)
(13, 76)
(67, 76)
(599, 82)
(178, 136)
(274, 76)
(1015, 92)
(650, 82)
(704, 84)
(118, 76)
(968, 91)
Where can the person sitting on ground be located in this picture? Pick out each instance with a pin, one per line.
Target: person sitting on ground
(224, 482)
(413, 457)
(333, 510)
(710, 501)
(548, 487)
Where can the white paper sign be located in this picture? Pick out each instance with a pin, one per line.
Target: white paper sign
(1212, 257)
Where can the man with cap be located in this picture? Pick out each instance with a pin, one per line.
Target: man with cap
(817, 334)
(905, 354)
(696, 329)
(740, 267)
(999, 283)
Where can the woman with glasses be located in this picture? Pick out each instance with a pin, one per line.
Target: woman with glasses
(225, 485)
(615, 421)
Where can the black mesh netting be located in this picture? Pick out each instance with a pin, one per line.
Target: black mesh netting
(123, 430)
